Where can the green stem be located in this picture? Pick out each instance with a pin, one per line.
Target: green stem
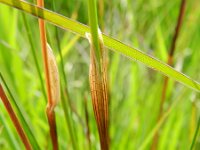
(195, 135)
(33, 51)
(92, 12)
(68, 117)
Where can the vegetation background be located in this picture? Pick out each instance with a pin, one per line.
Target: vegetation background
(135, 90)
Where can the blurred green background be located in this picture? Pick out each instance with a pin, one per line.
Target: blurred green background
(135, 90)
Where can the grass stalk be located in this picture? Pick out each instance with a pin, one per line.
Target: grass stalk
(93, 21)
(50, 105)
(68, 120)
(68, 113)
(14, 119)
(195, 135)
(87, 122)
(21, 115)
(162, 120)
(33, 51)
(13, 143)
(101, 14)
(98, 76)
(169, 62)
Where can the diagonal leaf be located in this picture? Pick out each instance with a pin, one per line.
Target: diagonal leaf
(22, 117)
(111, 43)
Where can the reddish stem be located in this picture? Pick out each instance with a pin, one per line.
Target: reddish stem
(169, 62)
(14, 119)
(49, 110)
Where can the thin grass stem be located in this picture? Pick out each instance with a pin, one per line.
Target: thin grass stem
(14, 119)
(65, 96)
(93, 21)
(21, 115)
(195, 135)
(50, 105)
(33, 51)
(169, 62)
(87, 122)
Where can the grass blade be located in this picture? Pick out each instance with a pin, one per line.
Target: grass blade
(26, 127)
(195, 135)
(169, 62)
(13, 143)
(92, 12)
(33, 51)
(109, 42)
(14, 119)
(66, 96)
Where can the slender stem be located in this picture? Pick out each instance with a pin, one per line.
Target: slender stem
(44, 53)
(65, 95)
(49, 110)
(92, 12)
(14, 119)
(195, 135)
(33, 51)
(87, 122)
(169, 62)
(101, 14)
(21, 116)
(52, 123)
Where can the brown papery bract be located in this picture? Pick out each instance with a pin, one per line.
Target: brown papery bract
(99, 91)
(54, 77)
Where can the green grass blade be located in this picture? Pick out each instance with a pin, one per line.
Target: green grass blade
(68, 117)
(25, 125)
(195, 135)
(67, 48)
(33, 51)
(14, 144)
(109, 42)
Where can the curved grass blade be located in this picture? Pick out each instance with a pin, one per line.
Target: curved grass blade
(111, 43)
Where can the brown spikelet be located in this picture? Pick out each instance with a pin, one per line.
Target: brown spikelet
(54, 77)
(55, 95)
(99, 92)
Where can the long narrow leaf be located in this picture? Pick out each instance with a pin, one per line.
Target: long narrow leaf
(111, 43)
(22, 117)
